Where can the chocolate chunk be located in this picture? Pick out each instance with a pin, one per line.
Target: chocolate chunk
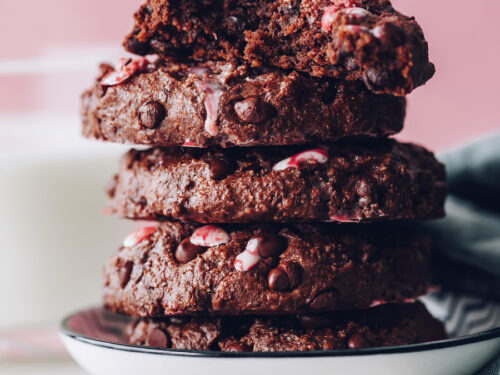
(278, 280)
(152, 114)
(374, 78)
(315, 321)
(294, 273)
(219, 168)
(357, 341)
(156, 338)
(137, 47)
(323, 301)
(124, 271)
(253, 110)
(186, 251)
(270, 245)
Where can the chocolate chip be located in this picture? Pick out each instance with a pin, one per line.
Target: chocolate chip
(152, 114)
(237, 347)
(219, 168)
(253, 110)
(270, 245)
(323, 301)
(315, 321)
(156, 338)
(357, 341)
(293, 271)
(124, 271)
(137, 47)
(186, 251)
(375, 79)
(278, 280)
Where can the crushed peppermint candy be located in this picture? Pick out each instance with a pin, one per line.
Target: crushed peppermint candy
(209, 236)
(189, 143)
(126, 69)
(319, 155)
(249, 258)
(138, 236)
(356, 28)
(378, 32)
(377, 302)
(347, 3)
(328, 18)
(359, 13)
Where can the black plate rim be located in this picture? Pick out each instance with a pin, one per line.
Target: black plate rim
(448, 343)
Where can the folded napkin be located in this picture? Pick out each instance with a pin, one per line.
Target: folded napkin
(468, 239)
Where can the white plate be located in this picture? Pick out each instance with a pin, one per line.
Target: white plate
(95, 340)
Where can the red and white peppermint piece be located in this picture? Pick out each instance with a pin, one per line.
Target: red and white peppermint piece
(209, 236)
(249, 258)
(328, 17)
(126, 68)
(189, 143)
(344, 219)
(377, 302)
(138, 236)
(359, 13)
(378, 32)
(347, 3)
(355, 29)
(319, 155)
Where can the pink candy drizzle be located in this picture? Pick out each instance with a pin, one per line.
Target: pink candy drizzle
(138, 236)
(125, 70)
(213, 93)
(319, 155)
(209, 236)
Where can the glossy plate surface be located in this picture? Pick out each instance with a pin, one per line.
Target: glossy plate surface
(95, 339)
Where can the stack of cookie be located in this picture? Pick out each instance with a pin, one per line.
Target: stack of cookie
(274, 195)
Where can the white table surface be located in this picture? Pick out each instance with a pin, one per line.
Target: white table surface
(64, 367)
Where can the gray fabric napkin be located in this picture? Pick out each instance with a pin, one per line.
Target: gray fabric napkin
(469, 237)
(471, 231)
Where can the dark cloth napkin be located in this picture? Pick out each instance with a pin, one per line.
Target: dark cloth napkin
(468, 239)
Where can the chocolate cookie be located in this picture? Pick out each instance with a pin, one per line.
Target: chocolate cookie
(387, 325)
(228, 105)
(362, 181)
(182, 269)
(354, 39)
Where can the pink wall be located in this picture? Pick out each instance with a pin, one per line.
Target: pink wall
(460, 102)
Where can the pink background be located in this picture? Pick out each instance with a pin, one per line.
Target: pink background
(462, 101)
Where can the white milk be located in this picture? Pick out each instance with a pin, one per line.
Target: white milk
(54, 240)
